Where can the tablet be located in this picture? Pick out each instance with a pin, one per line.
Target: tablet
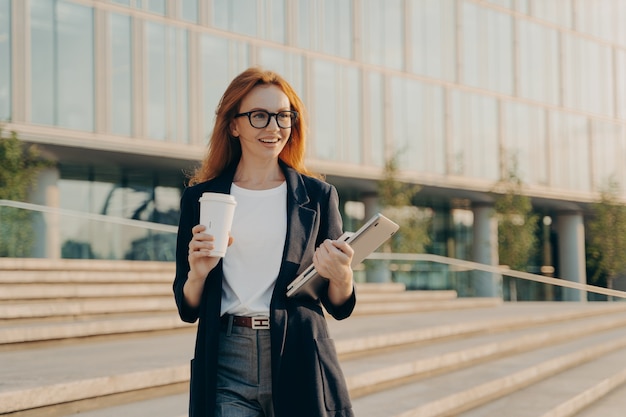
(364, 241)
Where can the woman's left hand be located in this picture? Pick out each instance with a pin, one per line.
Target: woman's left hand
(332, 261)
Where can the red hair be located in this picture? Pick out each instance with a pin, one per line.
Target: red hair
(224, 149)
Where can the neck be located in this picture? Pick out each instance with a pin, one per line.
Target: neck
(258, 176)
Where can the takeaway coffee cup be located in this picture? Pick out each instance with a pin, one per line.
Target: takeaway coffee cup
(216, 214)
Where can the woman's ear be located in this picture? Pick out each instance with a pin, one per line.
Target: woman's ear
(233, 129)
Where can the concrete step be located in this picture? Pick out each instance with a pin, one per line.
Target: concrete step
(404, 305)
(44, 375)
(376, 372)
(27, 331)
(612, 405)
(43, 309)
(561, 394)
(15, 333)
(461, 390)
(15, 292)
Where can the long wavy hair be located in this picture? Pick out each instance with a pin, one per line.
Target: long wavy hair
(225, 149)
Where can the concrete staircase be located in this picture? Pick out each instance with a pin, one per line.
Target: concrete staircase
(102, 338)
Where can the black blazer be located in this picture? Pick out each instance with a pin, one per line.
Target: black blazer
(307, 380)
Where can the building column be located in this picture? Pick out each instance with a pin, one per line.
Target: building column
(47, 226)
(379, 272)
(571, 251)
(485, 251)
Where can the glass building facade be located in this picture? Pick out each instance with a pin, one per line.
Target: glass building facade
(123, 94)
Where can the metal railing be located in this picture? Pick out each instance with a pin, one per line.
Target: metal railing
(74, 234)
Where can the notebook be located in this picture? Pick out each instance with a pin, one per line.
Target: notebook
(364, 241)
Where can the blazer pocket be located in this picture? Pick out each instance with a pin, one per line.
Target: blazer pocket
(336, 396)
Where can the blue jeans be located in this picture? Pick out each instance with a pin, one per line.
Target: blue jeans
(244, 374)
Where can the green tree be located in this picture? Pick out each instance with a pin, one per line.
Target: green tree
(19, 166)
(517, 224)
(396, 201)
(606, 237)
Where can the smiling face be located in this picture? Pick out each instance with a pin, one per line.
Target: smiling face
(266, 143)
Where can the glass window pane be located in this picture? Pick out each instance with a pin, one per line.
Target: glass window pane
(538, 62)
(156, 6)
(620, 58)
(62, 59)
(325, 116)
(157, 80)
(335, 124)
(189, 10)
(374, 123)
(350, 112)
(5, 60)
(221, 61)
(585, 60)
(124, 2)
(487, 52)
(433, 38)
(595, 18)
(239, 16)
(502, 3)
(43, 71)
(607, 149)
(121, 75)
(275, 20)
(76, 66)
(417, 126)
(554, 11)
(525, 142)
(569, 152)
(474, 136)
(288, 65)
(383, 33)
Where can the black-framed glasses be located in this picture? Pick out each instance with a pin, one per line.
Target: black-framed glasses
(260, 119)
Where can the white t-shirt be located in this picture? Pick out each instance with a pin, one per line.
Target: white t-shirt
(252, 262)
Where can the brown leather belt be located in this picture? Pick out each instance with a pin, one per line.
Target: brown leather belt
(256, 323)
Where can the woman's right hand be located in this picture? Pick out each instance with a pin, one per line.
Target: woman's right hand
(201, 262)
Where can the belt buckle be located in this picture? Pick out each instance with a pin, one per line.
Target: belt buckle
(260, 323)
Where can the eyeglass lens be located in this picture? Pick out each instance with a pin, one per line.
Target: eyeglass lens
(261, 119)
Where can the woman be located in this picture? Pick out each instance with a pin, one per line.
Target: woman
(285, 219)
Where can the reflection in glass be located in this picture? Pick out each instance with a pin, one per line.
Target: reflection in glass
(417, 124)
(62, 59)
(525, 147)
(121, 75)
(538, 69)
(474, 136)
(129, 194)
(433, 38)
(383, 33)
(569, 152)
(5, 60)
